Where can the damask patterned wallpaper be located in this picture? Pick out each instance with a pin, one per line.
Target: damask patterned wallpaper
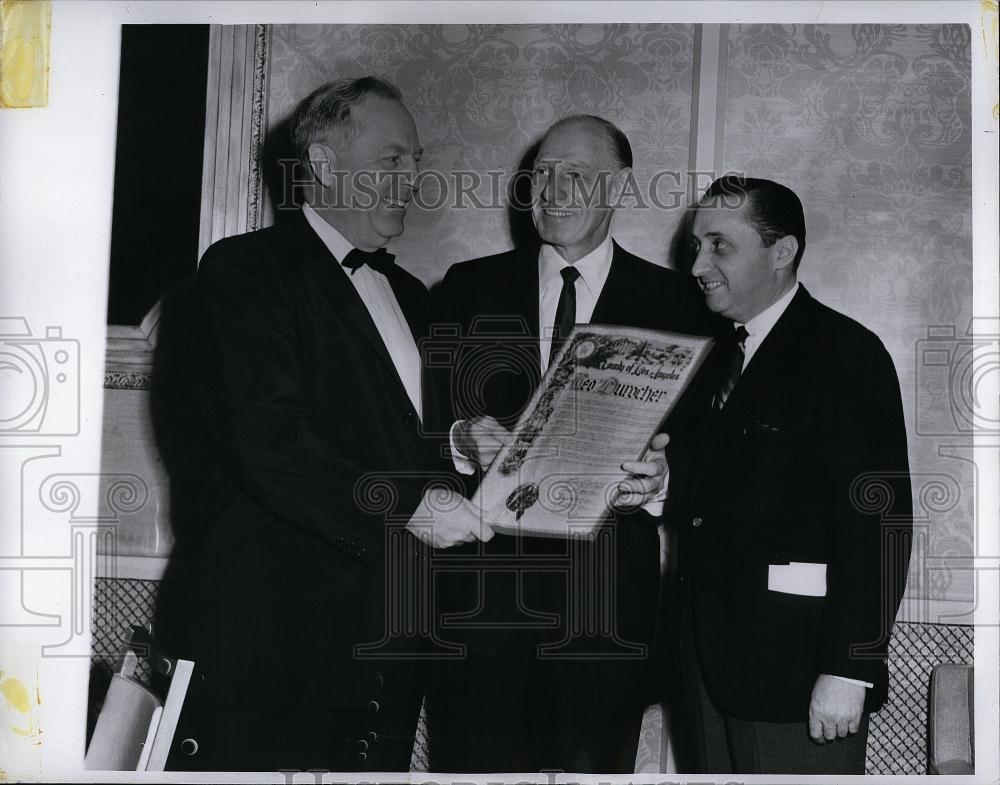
(870, 125)
(481, 95)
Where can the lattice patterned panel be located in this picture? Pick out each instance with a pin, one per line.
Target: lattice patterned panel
(118, 604)
(419, 758)
(897, 741)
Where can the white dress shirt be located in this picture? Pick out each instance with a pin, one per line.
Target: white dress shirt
(759, 326)
(593, 269)
(757, 330)
(378, 297)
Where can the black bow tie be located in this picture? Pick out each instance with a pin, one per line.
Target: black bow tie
(381, 261)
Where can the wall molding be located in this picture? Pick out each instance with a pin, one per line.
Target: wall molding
(708, 99)
(121, 379)
(235, 126)
(128, 355)
(144, 568)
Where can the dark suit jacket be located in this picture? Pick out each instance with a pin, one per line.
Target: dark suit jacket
(494, 304)
(806, 462)
(315, 442)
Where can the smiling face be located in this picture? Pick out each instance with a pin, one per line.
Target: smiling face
(574, 184)
(369, 174)
(739, 275)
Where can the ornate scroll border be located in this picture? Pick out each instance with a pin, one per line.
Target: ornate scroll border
(258, 125)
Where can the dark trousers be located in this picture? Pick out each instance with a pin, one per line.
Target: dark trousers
(524, 714)
(567, 697)
(712, 742)
(476, 716)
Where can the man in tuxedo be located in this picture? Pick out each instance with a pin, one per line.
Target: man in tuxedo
(796, 546)
(533, 692)
(309, 387)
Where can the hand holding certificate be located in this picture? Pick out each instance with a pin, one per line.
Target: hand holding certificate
(602, 399)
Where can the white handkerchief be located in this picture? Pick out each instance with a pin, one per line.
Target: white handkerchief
(804, 578)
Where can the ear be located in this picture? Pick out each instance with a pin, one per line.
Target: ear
(323, 163)
(783, 252)
(618, 184)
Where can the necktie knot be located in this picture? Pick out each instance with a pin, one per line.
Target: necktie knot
(742, 335)
(569, 274)
(381, 261)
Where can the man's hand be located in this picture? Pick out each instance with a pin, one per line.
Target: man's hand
(445, 518)
(835, 708)
(480, 439)
(646, 477)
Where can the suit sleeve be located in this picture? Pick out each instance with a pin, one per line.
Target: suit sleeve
(864, 471)
(250, 394)
(446, 318)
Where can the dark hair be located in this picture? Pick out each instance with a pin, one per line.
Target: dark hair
(773, 210)
(327, 110)
(618, 143)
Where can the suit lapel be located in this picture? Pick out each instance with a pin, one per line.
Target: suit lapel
(344, 298)
(617, 297)
(770, 361)
(524, 297)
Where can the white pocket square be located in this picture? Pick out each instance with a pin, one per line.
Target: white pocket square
(804, 578)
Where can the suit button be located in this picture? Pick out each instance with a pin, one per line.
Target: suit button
(372, 736)
(362, 745)
(373, 705)
(361, 550)
(362, 756)
(696, 522)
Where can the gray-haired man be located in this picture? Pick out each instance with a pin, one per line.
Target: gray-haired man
(309, 387)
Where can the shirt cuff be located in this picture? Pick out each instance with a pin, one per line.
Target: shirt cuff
(463, 465)
(860, 683)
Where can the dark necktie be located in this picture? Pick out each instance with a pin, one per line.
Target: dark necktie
(381, 261)
(565, 310)
(732, 376)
